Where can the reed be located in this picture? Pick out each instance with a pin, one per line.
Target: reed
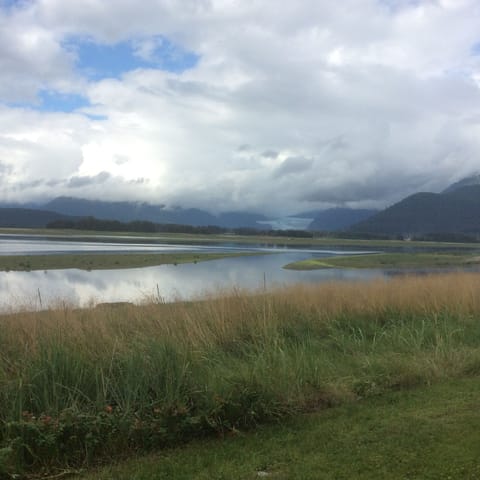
(79, 384)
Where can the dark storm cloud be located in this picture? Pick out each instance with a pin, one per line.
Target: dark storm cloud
(84, 181)
(54, 182)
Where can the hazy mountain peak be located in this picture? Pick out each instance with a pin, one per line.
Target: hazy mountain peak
(464, 182)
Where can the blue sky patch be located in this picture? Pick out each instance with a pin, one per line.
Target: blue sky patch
(476, 49)
(97, 61)
(8, 4)
(94, 116)
(52, 101)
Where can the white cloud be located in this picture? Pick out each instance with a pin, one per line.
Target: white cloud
(31, 58)
(359, 102)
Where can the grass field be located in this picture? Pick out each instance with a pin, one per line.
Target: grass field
(389, 260)
(82, 387)
(426, 433)
(99, 261)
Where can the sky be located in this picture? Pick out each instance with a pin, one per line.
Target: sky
(261, 105)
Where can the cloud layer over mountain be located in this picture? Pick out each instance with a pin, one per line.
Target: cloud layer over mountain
(264, 105)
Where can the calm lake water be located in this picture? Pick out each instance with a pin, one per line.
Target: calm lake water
(39, 289)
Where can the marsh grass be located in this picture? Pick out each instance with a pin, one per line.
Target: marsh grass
(106, 261)
(80, 385)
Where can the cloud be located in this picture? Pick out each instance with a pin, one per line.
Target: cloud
(83, 181)
(5, 169)
(31, 58)
(293, 165)
(286, 107)
(121, 159)
(244, 148)
(372, 189)
(270, 154)
(160, 52)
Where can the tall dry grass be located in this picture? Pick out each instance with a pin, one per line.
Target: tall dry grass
(223, 316)
(227, 361)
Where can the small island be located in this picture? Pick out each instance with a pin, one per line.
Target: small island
(388, 260)
(106, 261)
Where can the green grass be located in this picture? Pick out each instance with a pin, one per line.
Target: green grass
(388, 260)
(79, 387)
(105, 261)
(428, 433)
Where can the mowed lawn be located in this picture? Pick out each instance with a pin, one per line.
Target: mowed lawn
(431, 432)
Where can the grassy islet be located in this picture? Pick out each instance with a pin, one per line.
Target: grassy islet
(389, 260)
(105, 261)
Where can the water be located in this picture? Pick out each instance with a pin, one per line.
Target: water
(40, 289)
(169, 281)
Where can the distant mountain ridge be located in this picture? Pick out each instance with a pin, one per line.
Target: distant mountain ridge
(61, 208)
(335, 219)
(456, 210)
(15, 217)
(131, 211)
(324, 220)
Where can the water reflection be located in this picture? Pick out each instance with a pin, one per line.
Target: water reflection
(40, 289)
(78, 287)
(35, 246)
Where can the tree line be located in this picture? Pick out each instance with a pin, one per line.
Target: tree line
(145, 226)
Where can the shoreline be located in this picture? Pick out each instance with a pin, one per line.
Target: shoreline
(84, 235)
(106, 261)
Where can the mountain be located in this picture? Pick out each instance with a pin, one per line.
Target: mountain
(465, 182)
(456, 210)
(334, 219)
(239, 219)
(324, 220)
(130, 211)
(26, 217)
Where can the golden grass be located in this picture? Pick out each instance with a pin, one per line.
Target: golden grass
(229, 361)
(216, 319)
